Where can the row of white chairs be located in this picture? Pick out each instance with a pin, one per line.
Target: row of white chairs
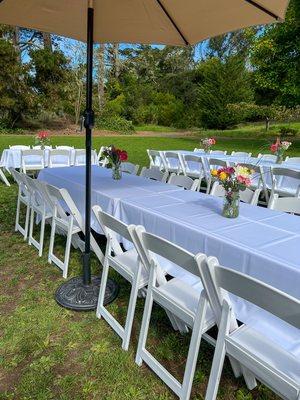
(199, 167)
(253, 355)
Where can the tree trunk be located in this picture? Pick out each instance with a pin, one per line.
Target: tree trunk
(47, 41)
(116, 60)
(16, 41)
(101, 76)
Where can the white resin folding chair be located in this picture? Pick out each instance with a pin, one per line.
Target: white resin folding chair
(246, 196)
(171, 161)
(287, 204)
(39, 208)
(184, 182)
(19, 147)
(278, 175)
(59, 158)
(241, 154)
(155, 159)
(208, 165)
(270, 362)
(24, 197)
(267, 157)
(127, 264)
(181, 300)
(292, 160)
(218, 152)
(80, 157)
(192, 166)
(63, 223)
(32, 160)
(130, 168)
(258, 178)
(65, 147)
(3, 166)
(196, 149)
(154, 173)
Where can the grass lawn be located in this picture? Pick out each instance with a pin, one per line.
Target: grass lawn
(47, 352)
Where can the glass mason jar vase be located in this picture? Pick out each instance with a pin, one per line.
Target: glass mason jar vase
(116, 171)
(231, 206)
(279, 159)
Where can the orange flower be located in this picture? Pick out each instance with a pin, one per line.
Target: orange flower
(214, 172)
(223, 176)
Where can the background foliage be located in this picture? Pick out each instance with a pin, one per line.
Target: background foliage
(248, 75)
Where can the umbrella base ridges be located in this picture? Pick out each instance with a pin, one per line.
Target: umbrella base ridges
(74, 295)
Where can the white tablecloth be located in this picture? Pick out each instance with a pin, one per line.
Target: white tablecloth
(260, 242)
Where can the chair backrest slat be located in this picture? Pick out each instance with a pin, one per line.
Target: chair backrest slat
(262, 295)
(171, 252)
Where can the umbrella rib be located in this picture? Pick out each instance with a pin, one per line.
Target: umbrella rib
(260, 7)
(172, 21)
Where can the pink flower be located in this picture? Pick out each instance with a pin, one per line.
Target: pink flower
(212, 141)
(123, 155)
(43, 135)
(274, 147)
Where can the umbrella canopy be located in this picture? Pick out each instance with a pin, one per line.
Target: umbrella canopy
(174, 22)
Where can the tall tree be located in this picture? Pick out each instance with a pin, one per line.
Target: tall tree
(47, 41)
(276, 60)
(101, 75)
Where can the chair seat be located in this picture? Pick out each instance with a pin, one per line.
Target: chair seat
(265, 350)
(127, 264)
(181, 298)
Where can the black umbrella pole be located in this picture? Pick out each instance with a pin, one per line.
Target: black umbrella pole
(88, 123)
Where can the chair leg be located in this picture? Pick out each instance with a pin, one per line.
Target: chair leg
(219, 357)
(144, 327)
(52, 237)
(193, 351)
(42, 234)
(27, 221)
(17, 213)
(3, 177)
(67, 251)
(130, 313)
(102, 288)
(30, 237)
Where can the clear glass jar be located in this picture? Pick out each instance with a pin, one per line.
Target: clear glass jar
(231, 206)
(116, 171)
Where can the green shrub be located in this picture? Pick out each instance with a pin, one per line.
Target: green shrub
(115, 123)
(287, 131)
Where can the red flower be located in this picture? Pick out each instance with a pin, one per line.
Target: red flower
(123, 155)
(274, 147)
(43, 135)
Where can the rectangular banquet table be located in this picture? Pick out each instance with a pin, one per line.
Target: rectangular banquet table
(260, 242)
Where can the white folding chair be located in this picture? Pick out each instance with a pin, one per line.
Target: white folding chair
(258, 179)
(3, 166)
(181, 300)
(292, 160)
(287, 204)
(271, 363)
(246, 196)
(32, 160)
(130, 168)
(192, 166)
(24, 197)
(171, 161)
(196, 149)
(80, 157)
(208, 165)
(184, 182)
(19, 147)
(278, 175)
(154, 173)
(241, 154)
(59, 158)
(39, 208)
(127, 264)
(155, 159)
(218, 152)
(63, 223)
(267, 157)
(65, 148)
(102, 161)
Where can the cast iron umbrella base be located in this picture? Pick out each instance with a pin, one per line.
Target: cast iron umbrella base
(74, 295)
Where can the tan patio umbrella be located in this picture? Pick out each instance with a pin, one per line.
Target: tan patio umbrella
(174, 22)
